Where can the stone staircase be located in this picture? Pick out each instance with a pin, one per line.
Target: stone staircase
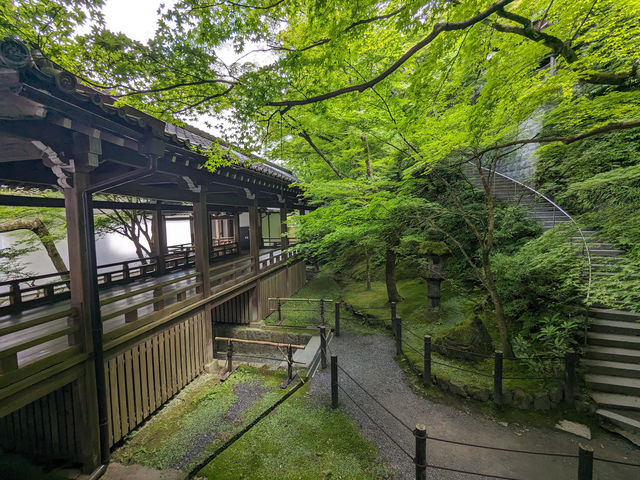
(612, 360)
(612, 350)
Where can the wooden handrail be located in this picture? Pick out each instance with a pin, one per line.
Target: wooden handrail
(37, 321)
(260, 342)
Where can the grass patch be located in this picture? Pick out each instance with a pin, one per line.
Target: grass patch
(300, 441)
(199, 420)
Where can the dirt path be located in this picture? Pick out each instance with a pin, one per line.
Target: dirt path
(369, 360)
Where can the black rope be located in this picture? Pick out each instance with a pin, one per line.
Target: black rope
(412, 333)
(617, 462)
(375, 399)
(448, 469)
(502, 449)
(412, 348)
(376, 424)
(462, 369)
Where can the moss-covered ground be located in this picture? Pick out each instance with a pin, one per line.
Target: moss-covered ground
(300, 441)
(419, 320)
(201, 418)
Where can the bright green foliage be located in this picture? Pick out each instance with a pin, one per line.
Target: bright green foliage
(541, 277)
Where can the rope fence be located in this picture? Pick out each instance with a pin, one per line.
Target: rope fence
(584, 456)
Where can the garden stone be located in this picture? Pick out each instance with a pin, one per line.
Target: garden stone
(478, 393)
(541, 401)
(443, 384)
(507, 397)
(555, 395)
(457, 388)
(522, 399)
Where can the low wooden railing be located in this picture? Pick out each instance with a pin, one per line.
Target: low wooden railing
(19, 294)
(37, 343)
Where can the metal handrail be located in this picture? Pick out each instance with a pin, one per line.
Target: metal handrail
(561, 210)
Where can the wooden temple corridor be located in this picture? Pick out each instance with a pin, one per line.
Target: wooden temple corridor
(86, 355)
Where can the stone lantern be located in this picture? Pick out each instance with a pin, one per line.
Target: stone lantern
(436, 252)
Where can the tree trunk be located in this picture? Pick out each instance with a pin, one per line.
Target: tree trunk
(501, 319)
(41, 230)
(390, 275)
(368, 272)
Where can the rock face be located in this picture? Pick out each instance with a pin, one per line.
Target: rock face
(463, 341)
(478, 393)
(457, 388)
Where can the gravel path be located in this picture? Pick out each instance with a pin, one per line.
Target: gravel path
(369, 360)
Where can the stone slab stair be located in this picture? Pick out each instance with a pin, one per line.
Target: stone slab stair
(612, 360)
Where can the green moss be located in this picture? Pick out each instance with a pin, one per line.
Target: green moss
(300, 441)
(193, 425)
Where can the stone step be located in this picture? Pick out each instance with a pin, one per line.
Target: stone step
(613, 340)
(620, 419)
(613, 384)
(620, 327)
(619, 369)
(612, 354)
(611, 314)
(605, 266)
(606, 252)
(617, 401)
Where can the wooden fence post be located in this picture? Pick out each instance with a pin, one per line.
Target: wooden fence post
(497, 377)
(398, 334)
(420, 433)
(569, 375)
(229, 356)
(426, 372)
(290, 362)
(392, 306)
(279, 312)
(323, 347)
(334, 381)
(585, 462)
(322, 316)
(337, 319)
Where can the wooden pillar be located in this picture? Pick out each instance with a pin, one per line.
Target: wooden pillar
(255, 235)
(284, 240)
(159, 236)
(236, 229)
(202, 241)
(86, 412)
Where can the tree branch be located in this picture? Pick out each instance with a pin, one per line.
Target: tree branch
(303, 134)
(610, 127)
(437, 30)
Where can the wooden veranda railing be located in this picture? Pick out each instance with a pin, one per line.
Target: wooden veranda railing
(28, 292)
(35, 339)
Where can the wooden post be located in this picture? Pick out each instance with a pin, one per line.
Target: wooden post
(284, 239)
(420, 434)
(323, 347)
(254, 253)
(398, 334)
(229, 356)
(337, 319)
(290, 362)
(334, 381)
(426, 372)
(569, 375)
(392, 306)
(159, 237)
(497, 377)
(279, 312)
(15, 297)
(322, 315)
(201, 241)
(236, 231)
(80, 275)
(585, 462)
